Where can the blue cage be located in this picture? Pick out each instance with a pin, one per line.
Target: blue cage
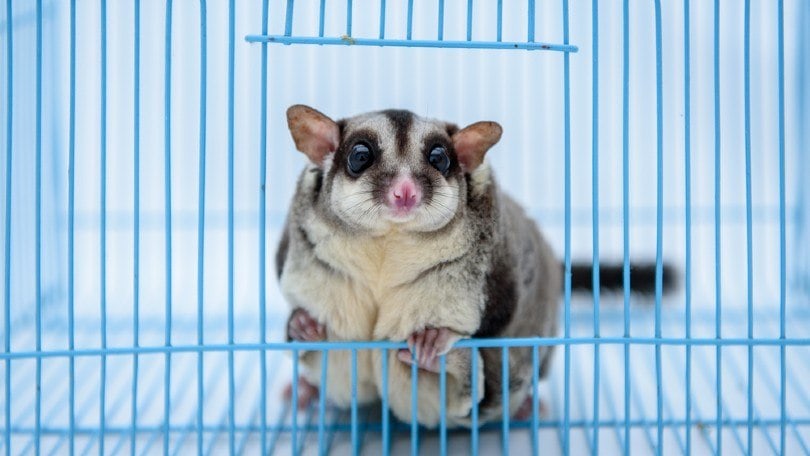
(147, 170)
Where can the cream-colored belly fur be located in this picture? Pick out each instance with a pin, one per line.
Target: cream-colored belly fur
(377, 291)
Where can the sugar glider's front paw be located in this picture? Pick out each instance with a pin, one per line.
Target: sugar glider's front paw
(427, 345)
(302, 327)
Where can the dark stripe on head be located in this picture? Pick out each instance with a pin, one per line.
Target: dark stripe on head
(401, 120)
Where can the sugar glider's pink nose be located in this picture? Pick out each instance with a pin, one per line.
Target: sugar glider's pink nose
(404, 194)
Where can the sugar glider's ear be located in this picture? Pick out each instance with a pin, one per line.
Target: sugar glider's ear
(315, 134)
(473, 141)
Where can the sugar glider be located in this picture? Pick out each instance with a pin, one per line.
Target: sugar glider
(398, 231)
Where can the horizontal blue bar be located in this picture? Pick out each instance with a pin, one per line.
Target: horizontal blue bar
(405, 428)
(351, 41)
(466, 343)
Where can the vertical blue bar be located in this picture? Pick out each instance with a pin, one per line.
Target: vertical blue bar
(414, 405)
(717, 224)
(321, 18)
(567, 101)
(443, 405)
(499, 35)
(136, 228)
(409, 32)
(103, 229)
(201, 225)
(530, 34)
(167, 176)
(659, 225)
(7, 269)
(504, 400)
(382, 19)
(349, 17)
(595, 216)
(355, 430)
(626, 213)
(688, 218)
(469, 19)
(474, 388)
(289, 18)
(440, 35)
(782, 243)
(535, 398)
(294, 405)
(71, 221)
(386, 432)
(263, 236)
(38, 259)
(748, 227)
(231, 380)
(321, 404)
(167, 182)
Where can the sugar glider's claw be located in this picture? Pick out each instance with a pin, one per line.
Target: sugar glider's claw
(426, 346)
(302, 327)
(307, 392)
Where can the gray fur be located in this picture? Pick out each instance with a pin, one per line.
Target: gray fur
(471, 261)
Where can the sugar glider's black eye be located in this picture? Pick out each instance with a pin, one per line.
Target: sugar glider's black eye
(439, 159)
(360, 158)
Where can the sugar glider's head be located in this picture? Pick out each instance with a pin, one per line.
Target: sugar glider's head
(391, 169)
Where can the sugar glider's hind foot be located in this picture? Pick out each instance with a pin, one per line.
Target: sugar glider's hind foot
(525, 410)
(302, 327)
(307, 392)
(427, 345)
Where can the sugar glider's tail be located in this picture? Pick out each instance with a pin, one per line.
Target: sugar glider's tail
(611, 277)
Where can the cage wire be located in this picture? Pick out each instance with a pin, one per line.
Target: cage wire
(147, 171)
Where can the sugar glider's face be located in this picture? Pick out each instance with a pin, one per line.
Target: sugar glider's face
(392, 169)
